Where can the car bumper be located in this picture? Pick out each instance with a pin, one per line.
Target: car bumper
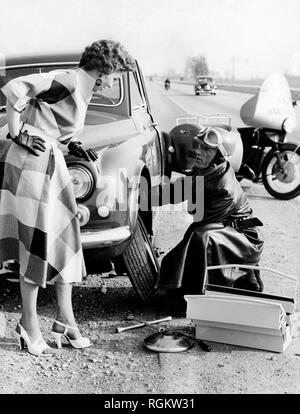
(105, 238)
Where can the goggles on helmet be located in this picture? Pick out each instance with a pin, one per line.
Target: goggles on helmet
(212, 138)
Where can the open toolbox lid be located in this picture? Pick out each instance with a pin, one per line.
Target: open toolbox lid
(288, 299)
(285, 295)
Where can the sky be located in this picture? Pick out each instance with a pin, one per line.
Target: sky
(244, 38)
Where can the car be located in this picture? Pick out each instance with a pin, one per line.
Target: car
(205, 85)
(114, 193)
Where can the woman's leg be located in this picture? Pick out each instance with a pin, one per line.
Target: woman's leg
(29, 318)
(65, 312)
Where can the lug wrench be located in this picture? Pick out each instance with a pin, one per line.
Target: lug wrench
(143, 323)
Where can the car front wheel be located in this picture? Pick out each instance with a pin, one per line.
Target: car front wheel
(141, 263)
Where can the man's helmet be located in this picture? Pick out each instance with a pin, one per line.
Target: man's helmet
(195, 146)
(181, 143)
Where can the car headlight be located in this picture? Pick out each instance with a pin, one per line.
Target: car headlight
(82, 181)
(83, 214)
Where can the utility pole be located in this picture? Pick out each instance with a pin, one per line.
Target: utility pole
(234, 61)
(233, 69)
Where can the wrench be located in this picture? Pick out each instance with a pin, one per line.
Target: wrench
(143, 323)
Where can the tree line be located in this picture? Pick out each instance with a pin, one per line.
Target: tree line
(194, 66)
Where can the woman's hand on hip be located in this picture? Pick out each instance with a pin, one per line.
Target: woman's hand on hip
(32, 143)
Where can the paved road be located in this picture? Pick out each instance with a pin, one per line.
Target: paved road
(182, 100)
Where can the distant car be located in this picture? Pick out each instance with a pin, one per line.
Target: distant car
(205, 85)
(120, 127)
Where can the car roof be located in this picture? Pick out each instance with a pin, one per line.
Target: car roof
(40, 58)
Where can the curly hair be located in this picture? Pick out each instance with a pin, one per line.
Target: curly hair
(106, 56)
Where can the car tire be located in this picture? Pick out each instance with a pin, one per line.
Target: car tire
(141, 263)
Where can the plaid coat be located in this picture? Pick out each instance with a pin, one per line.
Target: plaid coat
(39, 226)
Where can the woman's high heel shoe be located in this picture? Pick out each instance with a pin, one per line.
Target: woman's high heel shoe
(37, 347)
(78, 343)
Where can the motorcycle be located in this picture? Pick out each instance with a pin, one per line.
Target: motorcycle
(271, 161)
(267, 157)
(259, 151)
(167, 85)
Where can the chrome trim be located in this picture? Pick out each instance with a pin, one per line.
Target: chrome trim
(83, 213)
(33, 65)
(89, 174)
(141, 90)
(105, 238)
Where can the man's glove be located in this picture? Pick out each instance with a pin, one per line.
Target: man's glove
(32, 143)
(76, 149)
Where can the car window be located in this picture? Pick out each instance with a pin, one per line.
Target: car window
(136, 97)
(109, 96)
(205, 79)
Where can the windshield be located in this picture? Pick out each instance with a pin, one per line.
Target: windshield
(107, 98)
(205, 79)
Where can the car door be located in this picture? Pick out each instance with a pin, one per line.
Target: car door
(152, 132)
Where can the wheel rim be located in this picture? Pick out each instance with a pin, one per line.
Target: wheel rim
(288, 174)
(151, 256)
(288, 179)
(150, 252)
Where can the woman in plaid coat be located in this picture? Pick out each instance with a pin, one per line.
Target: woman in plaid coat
(39, 226)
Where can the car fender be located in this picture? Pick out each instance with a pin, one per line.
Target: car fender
(123, 191)
(119, 187)
(141, 198)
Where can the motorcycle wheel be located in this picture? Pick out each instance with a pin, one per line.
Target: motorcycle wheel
(283, 184)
